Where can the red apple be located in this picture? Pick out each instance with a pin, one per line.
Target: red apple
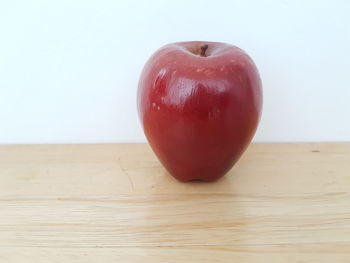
(199, 104)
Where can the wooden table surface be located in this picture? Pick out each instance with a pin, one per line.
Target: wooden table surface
(115, 203)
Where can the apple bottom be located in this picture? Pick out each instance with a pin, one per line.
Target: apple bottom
(202, 174)
(194, 170)
(206, 155)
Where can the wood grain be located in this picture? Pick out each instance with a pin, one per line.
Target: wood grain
(115, 203)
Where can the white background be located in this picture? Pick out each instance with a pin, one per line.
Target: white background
(69, 69)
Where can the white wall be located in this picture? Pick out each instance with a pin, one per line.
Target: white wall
(69, 69)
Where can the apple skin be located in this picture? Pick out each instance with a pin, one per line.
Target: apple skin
(199, 112)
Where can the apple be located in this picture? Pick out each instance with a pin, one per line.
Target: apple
(199, 104)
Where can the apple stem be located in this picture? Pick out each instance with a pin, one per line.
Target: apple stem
(203, 50)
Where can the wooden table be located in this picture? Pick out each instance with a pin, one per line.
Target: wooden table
(115, 203)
